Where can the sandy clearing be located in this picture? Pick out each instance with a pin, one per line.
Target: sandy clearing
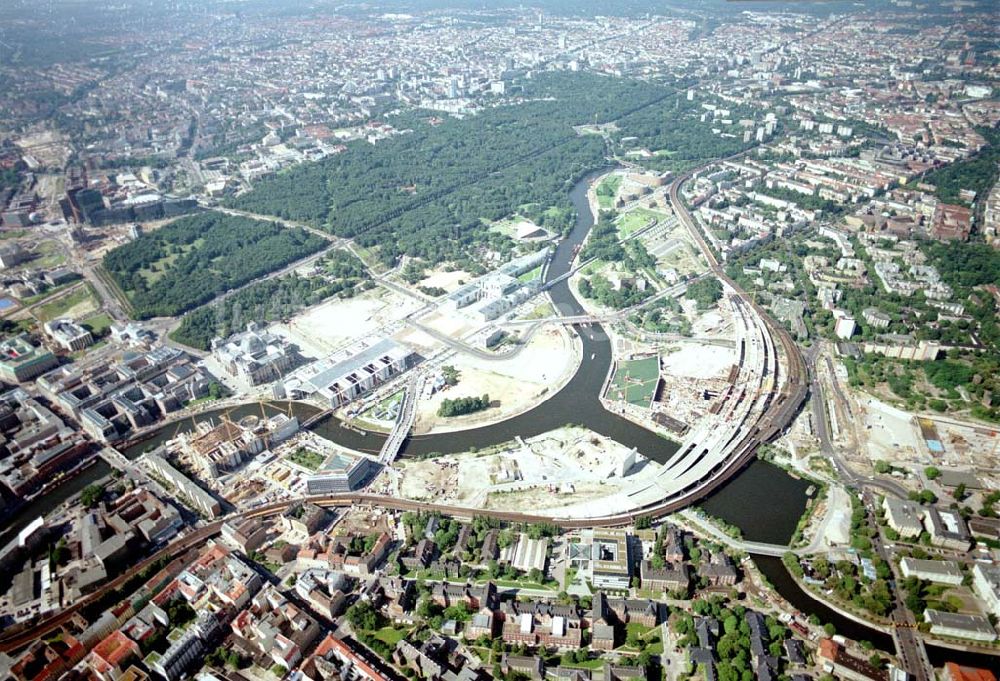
(563, 467)
(421, 341)
(548, 361)
(449, 281)
(698, 361)
(330, 325)
(453, 324)
(892, 432)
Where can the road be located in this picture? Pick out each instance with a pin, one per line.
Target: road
(909, 644)
(822, 428)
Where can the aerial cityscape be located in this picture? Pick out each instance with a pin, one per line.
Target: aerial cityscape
(450, 340)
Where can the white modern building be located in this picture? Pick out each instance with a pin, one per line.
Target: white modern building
(352, 371)
(68, 335)
(986, 583)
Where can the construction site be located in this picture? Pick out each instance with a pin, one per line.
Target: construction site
(564, 466)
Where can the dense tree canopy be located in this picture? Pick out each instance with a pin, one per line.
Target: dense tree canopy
(977, 173)
(705, 292)
(192, 260)
(273, 299)
(426, 193)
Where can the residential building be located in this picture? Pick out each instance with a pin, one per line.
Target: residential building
(956, 672)
(986, 583)
(844, 326)
(355, 666)
(421, 555)
(539, 623)
(948, 529)
(955, 625)
(447, 594)
(719, 570)
(186, 647)
(876, 318)
(985, 527)
(276, 627)
(304, 518)
(109, 658)
(836, 660)
(532, 666)
(38, 444)
(937, 571)
(903, 516)
(247, 535)
(194, 495)
(669, 578)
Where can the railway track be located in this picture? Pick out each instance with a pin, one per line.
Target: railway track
(779, 412)
(793, 392)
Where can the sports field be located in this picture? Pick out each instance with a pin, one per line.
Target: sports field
(635, 381)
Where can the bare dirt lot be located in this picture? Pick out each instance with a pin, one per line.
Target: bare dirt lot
(449, 281)
(564, 466)
(328, 326)
(515, 385)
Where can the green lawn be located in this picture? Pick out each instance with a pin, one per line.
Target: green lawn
(157, 269)
(649, 635)
(389, 401)
(607, 190)
(524, 584)
(596, 663)
(98, 324)
(484, 654)
(200, 400)
(31, 300)
(638, 629)
(50, 255)
(531, 275)
(58, 308)
(635, 381)
(542, 311)
(307, 459)
(391, 635)
(636, 219)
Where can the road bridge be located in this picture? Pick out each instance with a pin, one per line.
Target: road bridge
(404, 421)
